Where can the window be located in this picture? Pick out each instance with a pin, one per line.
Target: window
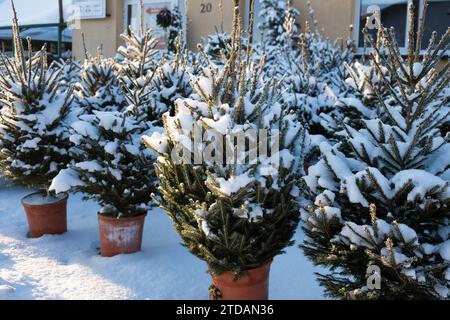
(394, 13)
(437, 19)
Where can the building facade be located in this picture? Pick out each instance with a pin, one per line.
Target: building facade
(203, 17)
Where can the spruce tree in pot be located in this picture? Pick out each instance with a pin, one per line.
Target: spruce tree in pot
(232, 212)
(33, 138)
(111, 166)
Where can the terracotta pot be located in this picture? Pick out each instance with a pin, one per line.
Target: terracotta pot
(253, 285)
(120, 236)
(47, 217)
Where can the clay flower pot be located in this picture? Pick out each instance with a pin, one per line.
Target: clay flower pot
(253, 285)
(120, 236)
(46, 214)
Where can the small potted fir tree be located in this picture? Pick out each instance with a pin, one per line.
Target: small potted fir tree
(33, 140)
(236, 215)
(111, 165)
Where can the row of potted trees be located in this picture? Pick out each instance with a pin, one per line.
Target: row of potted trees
(96, 150)
(56, 117)
(238, 216)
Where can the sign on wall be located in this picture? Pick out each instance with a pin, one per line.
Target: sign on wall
(90, 9)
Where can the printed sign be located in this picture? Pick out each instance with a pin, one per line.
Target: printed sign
(90, 9)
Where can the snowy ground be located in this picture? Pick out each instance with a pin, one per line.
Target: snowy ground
(69, 267)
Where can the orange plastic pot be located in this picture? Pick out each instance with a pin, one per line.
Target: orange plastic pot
(252, 285)
(120, 236)
(48, 217)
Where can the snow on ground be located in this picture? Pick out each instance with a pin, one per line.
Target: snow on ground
(69, 266)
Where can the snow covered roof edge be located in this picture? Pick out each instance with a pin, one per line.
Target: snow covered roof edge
(32, 12)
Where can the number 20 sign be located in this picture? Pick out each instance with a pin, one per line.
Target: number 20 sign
(206, 7)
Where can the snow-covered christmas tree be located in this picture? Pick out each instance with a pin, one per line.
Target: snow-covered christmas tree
(99, 88)
(304, 92)
(70, 71)
(218, 46)
(381, 195)
(136, 68)
(110, 164)
(327, 59)
(232, 212)
(33, 139)
(310, 69)
(359, 99)
(170, 83)
(273, 16)
(151, 83)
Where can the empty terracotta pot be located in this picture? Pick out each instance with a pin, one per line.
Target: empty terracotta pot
(46, 214)
(120, 236)
(252, 285)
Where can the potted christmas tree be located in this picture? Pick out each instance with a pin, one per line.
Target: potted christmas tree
(109, 166)
(33, 139)
(382, 194)
(233, 211)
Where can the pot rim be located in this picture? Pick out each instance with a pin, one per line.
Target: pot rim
(64, 199)
(267, 264)
(106, 218)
